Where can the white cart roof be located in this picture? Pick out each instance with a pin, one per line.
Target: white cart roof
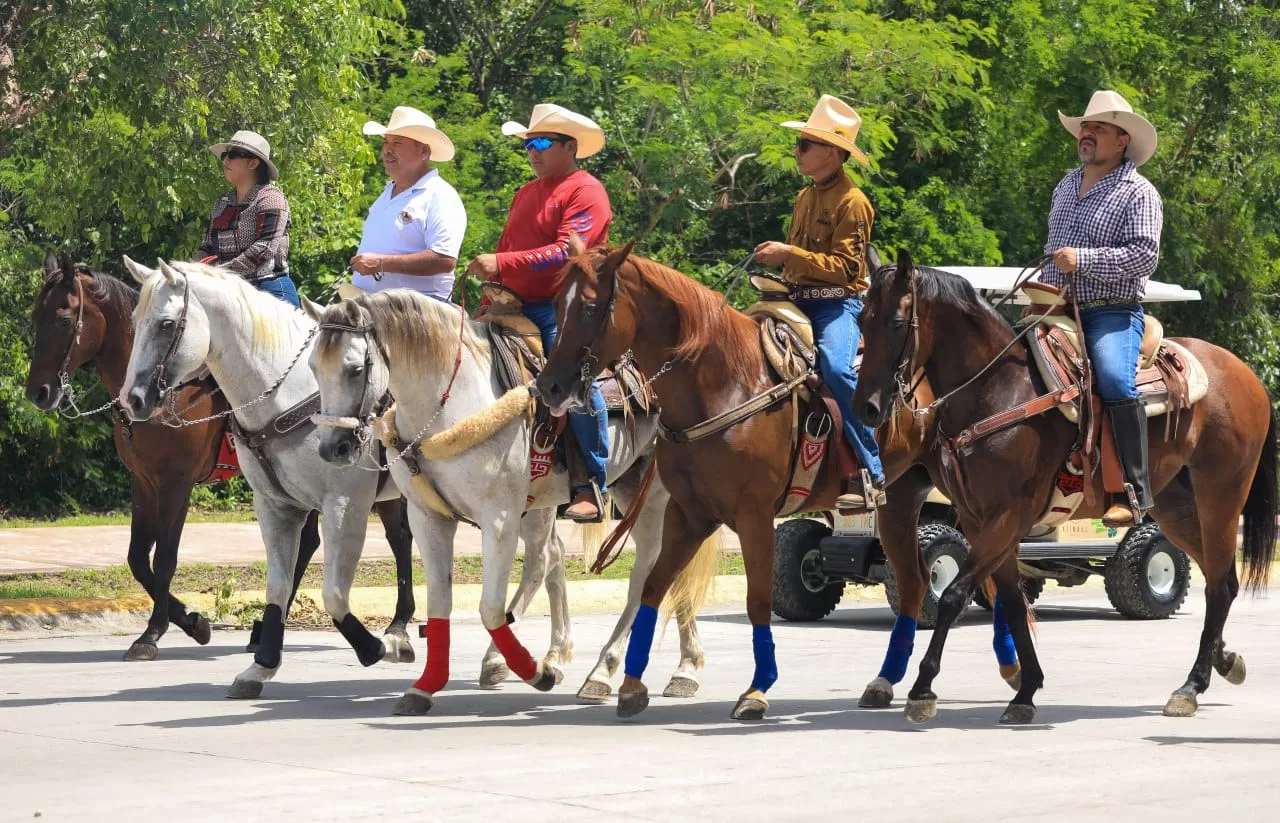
(997, 280)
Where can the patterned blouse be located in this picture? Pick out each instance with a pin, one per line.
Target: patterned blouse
(250, 237)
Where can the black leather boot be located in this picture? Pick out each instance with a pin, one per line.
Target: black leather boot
(1129, 423)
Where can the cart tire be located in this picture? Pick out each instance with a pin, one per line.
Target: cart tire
(800, 591)
(1148, 577)
(943, 549)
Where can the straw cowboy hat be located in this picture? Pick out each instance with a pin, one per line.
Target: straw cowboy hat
(409, 122)
(559, 120)
(1109, 107)
(251, 142)
(835, 123)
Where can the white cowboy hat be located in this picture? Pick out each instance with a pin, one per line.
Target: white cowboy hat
(557, 119)
(1110, 107)
(251, 142)
(411, 123)
(835, 123)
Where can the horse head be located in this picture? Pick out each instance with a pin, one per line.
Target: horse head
(171, 337)
(351, 371)
(596, 328)
(69, 330)
(890, 330)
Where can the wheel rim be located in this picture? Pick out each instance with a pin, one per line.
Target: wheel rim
(944, 569)
(811, 571)
(1162, 574)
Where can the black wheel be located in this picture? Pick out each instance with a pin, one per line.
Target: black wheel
(800, 589)
(1032, 588)
(943, 549)
(1148, 577)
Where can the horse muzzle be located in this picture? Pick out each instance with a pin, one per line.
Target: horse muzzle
(44, 396)
(340, 446)
(140, 402)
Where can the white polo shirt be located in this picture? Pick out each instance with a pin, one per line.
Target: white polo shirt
(426, 216)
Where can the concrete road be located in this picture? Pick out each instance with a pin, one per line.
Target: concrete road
(87, 737)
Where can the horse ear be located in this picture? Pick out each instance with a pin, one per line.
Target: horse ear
(69, 269)
(905, 267)
(576, 246)
(311, 309)
(138, 271)
(608, 272)
(51, 264)
(169, 272)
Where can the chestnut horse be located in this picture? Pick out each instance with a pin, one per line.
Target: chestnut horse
(82, 317)
(1218, 463)
(706, 359)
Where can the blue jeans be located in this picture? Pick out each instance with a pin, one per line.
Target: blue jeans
(281, 287)
(836, 334)
(590, 426)
(1113, 335)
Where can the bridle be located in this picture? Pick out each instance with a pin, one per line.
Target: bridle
(64, 376)
(158, 381)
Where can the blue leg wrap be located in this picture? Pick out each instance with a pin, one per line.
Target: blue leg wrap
(641, 640)
(1002, 642)
(901, 643)
(766, 663)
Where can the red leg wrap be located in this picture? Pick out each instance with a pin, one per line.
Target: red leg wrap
(516, 655)
(436, 674)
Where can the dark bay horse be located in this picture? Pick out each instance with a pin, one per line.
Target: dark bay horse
(1218, 464)
(83, 317)
(706, 359)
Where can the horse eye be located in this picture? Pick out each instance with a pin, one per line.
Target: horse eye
(899, 322)
(589, 310)
(167, 324)
(356, 370)
(64, 322)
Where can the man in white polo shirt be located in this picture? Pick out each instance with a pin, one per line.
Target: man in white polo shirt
(414, 230)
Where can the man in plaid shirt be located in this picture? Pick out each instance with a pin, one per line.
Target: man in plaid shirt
(1104, 235)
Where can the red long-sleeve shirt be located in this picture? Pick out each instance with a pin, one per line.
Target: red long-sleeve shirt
(535, 243)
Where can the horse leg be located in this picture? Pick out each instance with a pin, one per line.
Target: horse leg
(1013, 606)
(281, 526)
(307, 546)
(556, 577)
(174, 500)
(684, 681)
(535, 534)
(755, 529)
(142, 536)
(681, 538)
(897, 520)
(434, 535)
(499, 542)
(395, 524)
(344, 531)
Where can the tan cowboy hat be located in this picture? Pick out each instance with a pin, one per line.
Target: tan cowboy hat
(1110, 107)
(411, 123)
(559, 120)
(835, 123)
(251, 142)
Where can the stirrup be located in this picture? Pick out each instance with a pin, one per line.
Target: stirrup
(864, 501)
(597, 499)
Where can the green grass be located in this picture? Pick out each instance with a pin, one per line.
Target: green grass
(198, 577)
(123, 518)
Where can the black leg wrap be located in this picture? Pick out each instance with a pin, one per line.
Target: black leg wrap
(369, 649)
(271, 639)
(255, 634)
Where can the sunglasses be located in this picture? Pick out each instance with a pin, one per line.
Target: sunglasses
(543, 143)
(236, 154)
(804, 144)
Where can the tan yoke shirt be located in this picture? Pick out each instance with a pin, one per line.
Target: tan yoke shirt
(830, 227)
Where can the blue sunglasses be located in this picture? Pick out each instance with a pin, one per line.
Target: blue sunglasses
(542, 143)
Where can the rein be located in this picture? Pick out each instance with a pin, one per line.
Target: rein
(65, 389)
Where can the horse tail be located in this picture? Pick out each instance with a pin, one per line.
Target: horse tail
(689, 591)
(593, 535)
(1260, 515)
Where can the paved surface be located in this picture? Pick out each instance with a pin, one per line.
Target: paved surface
(96, 547)
(87, 737)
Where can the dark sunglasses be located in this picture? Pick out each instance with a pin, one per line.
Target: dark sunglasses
(236, 154)
(804, 144)
(543, 143)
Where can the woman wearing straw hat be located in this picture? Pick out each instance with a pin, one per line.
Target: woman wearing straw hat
(249, 229)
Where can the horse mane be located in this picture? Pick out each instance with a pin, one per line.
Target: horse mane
(936, 286)
(107, 291)
(420, 329)
(252, 301)
(705, 319)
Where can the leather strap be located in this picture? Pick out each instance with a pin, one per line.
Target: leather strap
(822, 293)
(287, 421)
(1005, 419)
(733, 416)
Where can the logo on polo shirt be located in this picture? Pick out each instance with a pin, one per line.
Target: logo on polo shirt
(404, 218)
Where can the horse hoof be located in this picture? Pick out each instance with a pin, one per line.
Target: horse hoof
(1018, 714)
(1235, 676)
(595, 691)
(200, 630)
(631, 704)
(398, 648)
(142, 651)
(751, 706)
(245, 689)
(921, 711)
(1181, 704)
(547, 678)
(1014, 679)
(493, 674)
(681, 686)
(877, 695)
(413, 703)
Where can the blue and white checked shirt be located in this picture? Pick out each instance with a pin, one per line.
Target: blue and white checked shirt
(1116, 229)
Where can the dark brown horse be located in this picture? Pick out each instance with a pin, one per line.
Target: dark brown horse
(1218, 463)
(706, 359)
(83, 317)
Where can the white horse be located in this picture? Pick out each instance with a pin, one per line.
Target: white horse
(438, 366)
(190, 315)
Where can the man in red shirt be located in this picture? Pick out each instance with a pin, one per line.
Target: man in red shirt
(534, 247)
